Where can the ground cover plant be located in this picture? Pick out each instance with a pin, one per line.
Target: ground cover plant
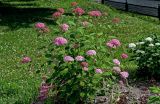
(23, 47)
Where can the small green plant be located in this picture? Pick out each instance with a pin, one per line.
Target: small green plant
(146, 53)
(154, 99)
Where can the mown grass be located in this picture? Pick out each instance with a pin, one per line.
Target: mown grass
(19, 83)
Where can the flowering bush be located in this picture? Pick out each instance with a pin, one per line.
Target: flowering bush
(74, 79)
(79, 71)
(147, 54)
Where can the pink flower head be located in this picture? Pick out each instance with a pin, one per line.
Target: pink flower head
(99, 71)
(60, 41)
(79, 58)
(110, 45)
(84, 64)
(56, 15)
(85, 23)
(74, 4)
(26, 60)
(91, 52)
(117, 69)
(40, 25)
(64, 27)
(95, 13)
(116, 20)
(113, 43)
(124, 56)
(61, 10)
(85, 68)
(68, 59)
(78, 11)
(44, 90)
(116, 62)
(124, 74)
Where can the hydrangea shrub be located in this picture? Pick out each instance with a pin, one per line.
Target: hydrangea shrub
(146, 53)
(79, 69)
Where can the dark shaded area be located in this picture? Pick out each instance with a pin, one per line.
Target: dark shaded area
(14, 17)
(17, 0)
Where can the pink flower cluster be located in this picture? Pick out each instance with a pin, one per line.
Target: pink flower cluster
(91, 52)
(26, 59)
(59, 41)
(95, 13)
(117, 70)
(116, 20)
(40, 25)
(85, 24)
(78, 11)
(79, 58)
(44, 90)
(124, 56)
(116, 62)
(74, 4)
(114, 43)
(58, 13)
(64, 27)
(84, 66)
(61, 10)
(99, 71)
(68, 59)
(124, 74)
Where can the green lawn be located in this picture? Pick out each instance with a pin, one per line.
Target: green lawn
(19, 83)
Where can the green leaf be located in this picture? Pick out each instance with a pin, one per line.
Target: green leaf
(82, 83)
(71, 23)
(82, 94)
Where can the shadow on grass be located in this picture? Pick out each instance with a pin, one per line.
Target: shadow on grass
(18, 0)
(16, 18)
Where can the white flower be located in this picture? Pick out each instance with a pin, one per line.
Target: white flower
(132, 45)
(137, 58)
(149, 39)
(151, 45)
(142, 52)
(139, 51)
(141, 42)
(150, 58)
(157, 44)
